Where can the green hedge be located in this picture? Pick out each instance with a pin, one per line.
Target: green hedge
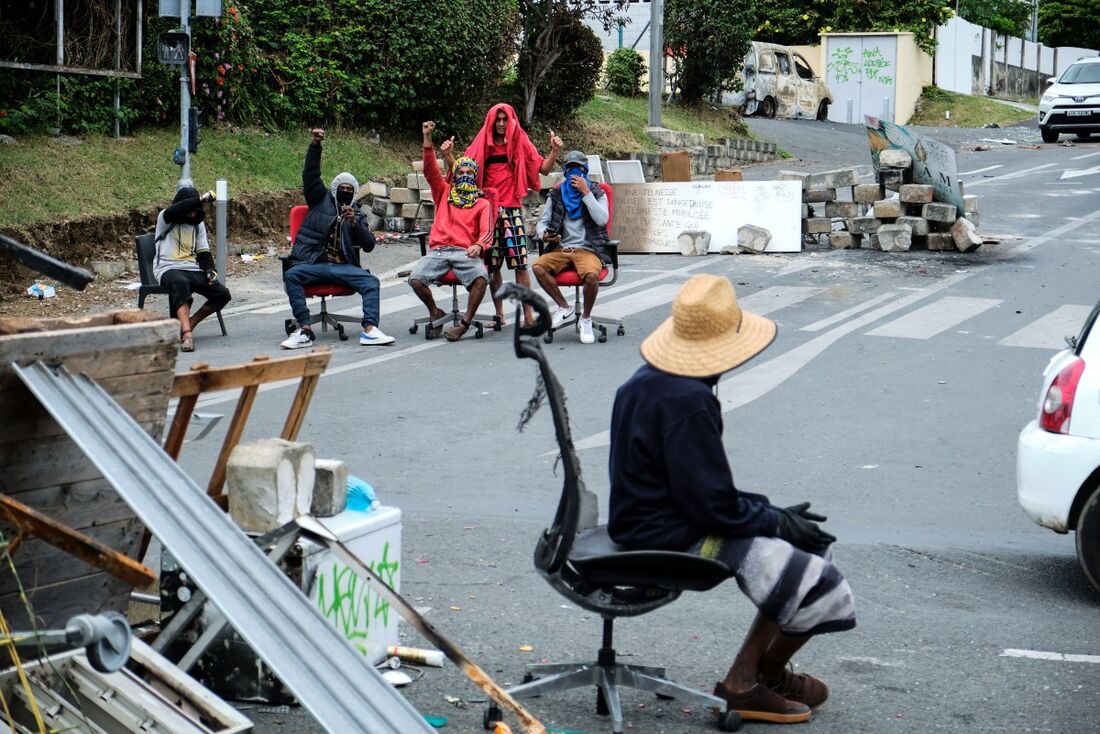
(625, 69)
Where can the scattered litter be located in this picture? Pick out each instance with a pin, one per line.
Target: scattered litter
(526, 648)
(1003, 141)
(361, 496)
(869, 466)
(396, 678)
(455, 608)
(436, 722)
(41, 291)
(417, 655)
(1030, 147)
(131, 286)
(941, 382)
(404, 273)
(422, 561)
(247, 257)
(982, 148)
(1068, 144)
(991, 125)
(455, 701)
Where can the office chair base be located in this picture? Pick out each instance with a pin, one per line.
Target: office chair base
(455, 318)
(325, 318)
(608, 679)
(599, 324)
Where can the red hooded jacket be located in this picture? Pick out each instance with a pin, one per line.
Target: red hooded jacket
(524, 160)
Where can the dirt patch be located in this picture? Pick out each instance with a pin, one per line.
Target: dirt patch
(252, 217)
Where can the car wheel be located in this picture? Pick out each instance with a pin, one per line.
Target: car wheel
(1049, 136)
(1083, 136)
(823, 111)
(767, 108)
(1088, 538)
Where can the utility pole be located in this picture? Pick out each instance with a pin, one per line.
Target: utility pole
(656, 60)
(185, 100)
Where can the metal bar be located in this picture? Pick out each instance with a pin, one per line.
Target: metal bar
(59, 270)
(75, 543)
(656, 61)
(335, 683)
(138, 37)
(221, 208)
(118, 62)
(185, 98)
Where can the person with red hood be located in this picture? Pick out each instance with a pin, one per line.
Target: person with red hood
(508, 164)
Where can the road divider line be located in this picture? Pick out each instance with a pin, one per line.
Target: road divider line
(848, 312)
(1008, 176)
(1086, 155)
(982, 170)
(935, 318)
(1049, 332)
(1061, 657)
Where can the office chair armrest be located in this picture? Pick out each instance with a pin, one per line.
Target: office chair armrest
(284, 260)
(423, 237)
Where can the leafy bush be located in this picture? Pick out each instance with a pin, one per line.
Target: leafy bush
(571, 80)
(625, 68)
(708, 40)
(1064, 23)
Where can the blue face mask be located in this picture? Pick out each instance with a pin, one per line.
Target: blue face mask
(466, 180)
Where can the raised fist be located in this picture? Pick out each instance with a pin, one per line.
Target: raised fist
(427, 128)
(318, 134)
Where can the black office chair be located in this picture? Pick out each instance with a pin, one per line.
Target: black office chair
(577, 557)
(146, 250)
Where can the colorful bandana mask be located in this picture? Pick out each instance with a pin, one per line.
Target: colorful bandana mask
(464, 190)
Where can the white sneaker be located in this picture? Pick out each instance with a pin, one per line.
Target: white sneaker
(298, 340)
(585, 325)
(561, 316)
(374, 338)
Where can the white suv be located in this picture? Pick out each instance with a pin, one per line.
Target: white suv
(1058, 453)
(1072, 104)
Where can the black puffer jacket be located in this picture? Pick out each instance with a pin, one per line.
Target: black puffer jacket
(309, 244)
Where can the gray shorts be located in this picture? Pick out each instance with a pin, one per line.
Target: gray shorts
(433, 266)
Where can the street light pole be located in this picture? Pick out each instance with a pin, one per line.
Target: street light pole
(656, 60)
(185, 98)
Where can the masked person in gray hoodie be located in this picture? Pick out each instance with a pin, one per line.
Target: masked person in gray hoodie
(183, 263)
(326, 250)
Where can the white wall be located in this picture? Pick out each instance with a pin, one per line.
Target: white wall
(637, 11)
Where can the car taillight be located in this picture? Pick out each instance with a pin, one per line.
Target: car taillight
(1057, 406)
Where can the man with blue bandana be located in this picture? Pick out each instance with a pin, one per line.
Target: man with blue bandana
(574, 229)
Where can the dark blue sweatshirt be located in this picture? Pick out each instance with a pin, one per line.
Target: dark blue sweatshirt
(670, 480)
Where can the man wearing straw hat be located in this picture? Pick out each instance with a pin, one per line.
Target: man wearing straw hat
(672, 489)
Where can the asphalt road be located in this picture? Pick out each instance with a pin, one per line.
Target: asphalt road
(891, 399)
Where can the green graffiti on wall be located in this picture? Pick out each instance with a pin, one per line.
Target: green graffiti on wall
(842, 65)
(347, 601)
(872, 65)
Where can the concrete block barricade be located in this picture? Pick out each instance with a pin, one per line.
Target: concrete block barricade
(269, 483)
(814, 196)
(330, 489)
(376, 188)
(843, 209)
(843, 240)
(918, 225)
(404, 196)
(817, 226)
(895, 238)
(938, 212)
(867, 193)
(888, 209)
(916, 194)
(894, 158)
(965, 235)
(864, 225)
(940, 242)
(753, 239)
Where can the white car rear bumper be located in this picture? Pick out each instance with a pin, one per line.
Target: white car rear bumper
(1050, 469)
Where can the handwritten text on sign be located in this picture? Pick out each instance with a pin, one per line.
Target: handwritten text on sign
(651, 217)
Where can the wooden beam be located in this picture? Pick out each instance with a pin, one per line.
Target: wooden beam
(89, 550)
(232, 438)
(213, 379)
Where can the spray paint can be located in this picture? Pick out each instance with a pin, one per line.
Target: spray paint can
(417, 655)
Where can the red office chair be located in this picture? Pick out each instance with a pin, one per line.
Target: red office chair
(323, 291)
(567, 278)
(455, 315)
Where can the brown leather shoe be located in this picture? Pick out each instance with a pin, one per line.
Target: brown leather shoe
(761, 703)
(801, 687)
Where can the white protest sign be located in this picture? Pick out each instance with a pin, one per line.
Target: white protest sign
(651, 217)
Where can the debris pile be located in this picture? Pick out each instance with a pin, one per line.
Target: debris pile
(892, 214)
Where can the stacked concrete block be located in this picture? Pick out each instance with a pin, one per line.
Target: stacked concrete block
(830, 203)
(895, 238)
(706, 160)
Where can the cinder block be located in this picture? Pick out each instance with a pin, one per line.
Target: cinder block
(753, 239)
(380, 207)
(376, 188)
(867, 193)
(916, 194)
(864, 225)
(970, 203)
(844, 209)
(938, 212)
(895, 158)
(870, 242)
(965, 235)
(975, 218)
(940, 241)
(817, 226)
(398, 224)
(374, 221)
(426, 195)
(894, 178)
(414, 181)
(843, 240)
(418, 165)
(404, 196)
(803, 178)
(888, 209)
(269, 483)
(895, 238)
(832, 179)
(330, 488)
(818, 195)
(410, 210)
(918, 225)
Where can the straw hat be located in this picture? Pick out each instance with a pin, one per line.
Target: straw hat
(708, 333)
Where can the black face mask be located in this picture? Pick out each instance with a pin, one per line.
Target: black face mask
(343, 198)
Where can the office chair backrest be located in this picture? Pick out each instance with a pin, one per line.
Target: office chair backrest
(577, 509)
(146, 251)
(610, 205)
(297, 215)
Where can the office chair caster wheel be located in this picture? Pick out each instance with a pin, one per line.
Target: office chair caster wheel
(729, 721)
(528, 678)
(428, 333)
(491, 717)
(289, 326)
(479, 330)
(621, 330)
(414, 328)
(496, 323)
(341, 334)
(602, 338)
(549, 338)
(663, 697)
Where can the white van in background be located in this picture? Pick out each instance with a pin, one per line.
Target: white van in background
(779, 82)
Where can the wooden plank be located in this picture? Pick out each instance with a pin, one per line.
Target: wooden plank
(40, 262)
(180, 421)
(82, 546)
(56, 346)
(149, 413)
(97, 365)
(55, 604)
(258, 372)
(232, 438)
(299, 407)
(81, 505)
(39, 563)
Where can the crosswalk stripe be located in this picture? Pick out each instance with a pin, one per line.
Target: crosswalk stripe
(937, 317)
(982, 170)
(772, 299)
(1049, 332)
(847, 313)
(658, 295)
(1008, 176)
(1086, 155)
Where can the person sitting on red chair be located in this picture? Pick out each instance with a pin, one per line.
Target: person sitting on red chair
(326, 250)
(574, 229)
(461, 234)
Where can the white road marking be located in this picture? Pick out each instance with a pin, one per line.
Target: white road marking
(1008, 176)
(1062, 657)
(637, 302)
(935, 318)
(848, 312)
(1086, 155)
(1078, 173)
(982, 170)
(771, 299)
(1049, 331)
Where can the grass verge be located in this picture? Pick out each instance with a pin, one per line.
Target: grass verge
(46, 179)
(966, 110)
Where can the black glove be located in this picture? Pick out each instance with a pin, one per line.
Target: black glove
(799, 527)
(211, 276)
